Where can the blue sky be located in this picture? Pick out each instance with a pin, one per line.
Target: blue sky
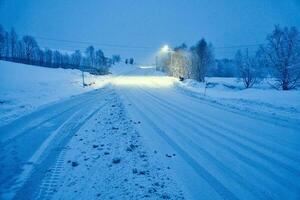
(148, 24)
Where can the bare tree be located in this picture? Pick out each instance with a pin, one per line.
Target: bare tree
(2, 41)
(6, 45)
(49, 58)
(40, 54)
(116, 59)
(90, 54)
(13, 43)
(201, 59)
(65, 59)
(248, 68)
(26, 50)
(20, 54)
(282, 56)
(131, 61)
(101, 64)
(76, 59)
(57, 58)
(30, 45)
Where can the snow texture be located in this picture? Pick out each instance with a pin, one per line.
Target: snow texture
(138, 134)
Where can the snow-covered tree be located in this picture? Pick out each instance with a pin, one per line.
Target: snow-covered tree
(180, 62)
(282, 56)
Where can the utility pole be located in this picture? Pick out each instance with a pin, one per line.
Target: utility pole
(206, 84)
(82, 74)
(156, 63)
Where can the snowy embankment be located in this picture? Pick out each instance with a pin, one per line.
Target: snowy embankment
(262, 98)
(24, 88)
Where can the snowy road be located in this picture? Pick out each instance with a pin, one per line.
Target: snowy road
(143, 137)
(219, 153)
(35, 140)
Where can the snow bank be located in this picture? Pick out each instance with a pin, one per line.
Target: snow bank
(261, 98)
(25, 87)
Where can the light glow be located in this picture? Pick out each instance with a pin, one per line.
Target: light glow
(144, 81)
(165, 48)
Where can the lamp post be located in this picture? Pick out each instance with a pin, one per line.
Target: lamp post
(167, 49)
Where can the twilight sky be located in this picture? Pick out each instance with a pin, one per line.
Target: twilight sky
(138, 28)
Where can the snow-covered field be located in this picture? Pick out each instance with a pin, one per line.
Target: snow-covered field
(142, 135)
(262, 98)
(24, 88)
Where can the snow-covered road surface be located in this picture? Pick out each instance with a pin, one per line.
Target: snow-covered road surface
(31, 142)
(143, 137)
(219, 153)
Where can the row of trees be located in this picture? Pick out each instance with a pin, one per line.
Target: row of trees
(192, 62)
(26, 50)
(278, 59)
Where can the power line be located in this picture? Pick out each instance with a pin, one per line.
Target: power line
(135, 47)
(239, 46)
(72, 47)
(94, 43)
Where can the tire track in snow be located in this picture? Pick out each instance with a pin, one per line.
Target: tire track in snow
(215, 105)
(235, 134)
(37, 115)
(279, 121)
(214, 122)
(68, 126)
(202, 172)
(49, 183)
(21, 151)
(97, 178)
(254, 164)
(242, 181)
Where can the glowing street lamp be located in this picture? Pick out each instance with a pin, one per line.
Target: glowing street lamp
(165, 49)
